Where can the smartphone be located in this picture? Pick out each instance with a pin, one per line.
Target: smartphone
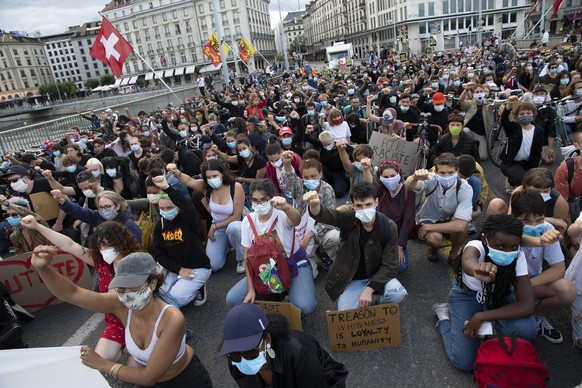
(486, 329)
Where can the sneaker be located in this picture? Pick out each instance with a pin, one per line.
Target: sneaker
(442, 311)
(200, 297)
(472, 228)
(11, 336)
(508, 188)
(189, 334)
(326, 261)
(433, 255)
(548, 331)
(240, 267)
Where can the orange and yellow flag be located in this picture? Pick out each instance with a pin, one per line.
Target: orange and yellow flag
(212, 49)
(245, 50)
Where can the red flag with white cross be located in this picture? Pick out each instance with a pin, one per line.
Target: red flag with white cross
(111, 48)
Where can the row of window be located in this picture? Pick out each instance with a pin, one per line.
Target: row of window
(15, 52)
(465, 23)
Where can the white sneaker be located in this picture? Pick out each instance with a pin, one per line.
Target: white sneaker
(442, 311)
(240, 267)
(200, 297)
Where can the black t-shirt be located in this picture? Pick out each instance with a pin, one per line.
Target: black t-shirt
(245, 171)
(361, 271)
(476, 124)
(90, 201)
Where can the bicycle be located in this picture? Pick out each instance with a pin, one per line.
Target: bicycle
(423, 145)
(496, 137)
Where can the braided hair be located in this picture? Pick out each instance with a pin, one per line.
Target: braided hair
(496, 296)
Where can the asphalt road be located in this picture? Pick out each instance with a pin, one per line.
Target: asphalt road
(420, 361)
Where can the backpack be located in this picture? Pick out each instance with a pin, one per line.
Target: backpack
(574, 202)
(509, 362)
(10, 328)
(267, 264)
(147, 225)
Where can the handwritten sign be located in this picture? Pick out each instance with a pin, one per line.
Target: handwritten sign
(27, 288)
(364, 329)
(289, 311)
(386, 148)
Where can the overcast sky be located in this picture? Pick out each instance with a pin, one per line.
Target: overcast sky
(54, 16)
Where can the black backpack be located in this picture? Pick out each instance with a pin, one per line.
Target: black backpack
(10, 328)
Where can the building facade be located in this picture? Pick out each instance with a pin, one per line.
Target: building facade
(293, 27)
(61, 57)
(24, 66)
(82, 41)
(324, 23)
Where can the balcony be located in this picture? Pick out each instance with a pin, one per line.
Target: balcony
(168, 34)
(148, 39)
(180, 46)
(188, 29)
(190, 44)
(150, 52)
(157, 36)
(161, 50)
(171, 48)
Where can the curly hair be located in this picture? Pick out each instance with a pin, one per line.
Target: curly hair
(114, 235)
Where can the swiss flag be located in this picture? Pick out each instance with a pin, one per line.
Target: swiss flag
(111, 48)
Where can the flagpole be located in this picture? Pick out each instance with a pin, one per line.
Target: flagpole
(237, 56)
(535, 25)
(218, 25)
(157, 75)
(526, 18)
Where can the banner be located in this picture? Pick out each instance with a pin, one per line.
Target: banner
(289, 311)
(27, 288)
(374, 327)
(212, 49)
(245, 50)
(399, 150)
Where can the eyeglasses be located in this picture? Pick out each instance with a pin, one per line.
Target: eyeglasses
(14, 180)
(8, 215)
(261, 202)
(106, 207)
(248, 355)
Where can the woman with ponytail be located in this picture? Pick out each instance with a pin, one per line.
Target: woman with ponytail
(492, 289)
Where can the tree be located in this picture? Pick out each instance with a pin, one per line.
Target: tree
(280, 57)
(65, 89)
(107, 79)
(91, 83)
(298, 45)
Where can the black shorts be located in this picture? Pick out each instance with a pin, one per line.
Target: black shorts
(195, 376)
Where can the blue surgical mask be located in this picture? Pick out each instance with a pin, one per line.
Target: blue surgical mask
(502, 258)
(108, 214)
(358, 165)
(392, 182)
(251, 367)
(215, 183)
(169, 214)
(546, 196)
(134, 147)
(565, 81)
(447, 181)
(245, 153)
(57, 153)
(286, 141)
(310, 112)
(434, 85)
(96, 173)
(323, 103)
(534, 230)
(457, 83)
(311, 184)
(146, 133)
(112, 172)
(183, 133)
(72, 168)
(280, 118)
(329, 147)
(231, 144)
(14, 221)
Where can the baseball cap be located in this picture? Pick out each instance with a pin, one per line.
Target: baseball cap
(133, 270)
(540, 88)
(438, 98)
(17, 170)
(285, 130)
(388, 116)
(253, 119)
(243, 328)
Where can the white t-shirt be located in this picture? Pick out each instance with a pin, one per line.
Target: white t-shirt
(284, 231)
(536, 256)
(477, 285)
(526, 142)
(340, 132)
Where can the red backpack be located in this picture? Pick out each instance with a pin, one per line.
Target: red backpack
(267, 264)
(509, 362)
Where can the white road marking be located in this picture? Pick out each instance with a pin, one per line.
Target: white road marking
(85, 330)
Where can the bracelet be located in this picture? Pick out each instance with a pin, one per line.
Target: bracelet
(115, 370)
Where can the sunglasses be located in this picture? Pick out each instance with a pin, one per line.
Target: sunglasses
(248, 355)
(8, 215)
(14, 180)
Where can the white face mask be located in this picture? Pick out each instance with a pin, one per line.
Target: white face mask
(20, 185)
(153, 198)
(366, 215)
(539, 100)
(109, 255)
(262, 210)
(89, 193)
(277, 164)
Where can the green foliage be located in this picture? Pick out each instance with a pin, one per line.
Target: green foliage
(107, 79)
(298, 44)
(67, 89)
(280, 57)
(91, 83)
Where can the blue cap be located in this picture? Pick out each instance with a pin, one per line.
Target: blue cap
(243, 328)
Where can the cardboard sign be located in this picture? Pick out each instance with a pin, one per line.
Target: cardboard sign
(399, 150)
(27, 288)
(432, 42)
(44, 205)
(289, 311)
(403, 57)
(364, 329)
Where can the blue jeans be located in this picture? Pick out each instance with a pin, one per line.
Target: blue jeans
(461, 350)
(477, 186)
(404, 266)
(178, 291)
(394, 292)
(217, 250)
(301, 292)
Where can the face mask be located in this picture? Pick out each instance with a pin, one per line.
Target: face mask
(245, 153)
(184, 121)
(315, 78)
(286, 141)
(153, 198)
(534, 231)
(195, 129)
(479, 96)
(491, 83)
(136, 300)
(280, 118)
(358, 165)
(14, 221)
(351, 91)
(455, 131)
(366, 215)
(262, 210)
(446, 181)
(539, 100)
(439, 108)
(108, 214)
(311, 184)
(84, 139)
(391, 183)
(234, 103)
(297, 100)
(108, 255)
(404, 108)
(134, 147)
(546, 196)
(146, 133)
(457, 83)
(392, 99)
(329, 147)
(277, 164)
(211, 158)
(20, 185)
(215, 183)
(530, 68)
(251, 367)
(72, 168)
(337, 121)
(310, 112)
(434, 85)
(57, 153)
(183, 134)
(323, 103)
(112, 172)
(553, 71)
(502, 258)
(445, 76)
(89, 193)
(579, 92)
(231, 145)
(565, 81)
(470, 75)
(525, 120)
(213, 124)
(169, 214)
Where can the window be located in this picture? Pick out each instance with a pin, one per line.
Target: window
(201, 9)
(126, 26)
(173, 59)
(421, 10)
(135, 24)
(185, 11)
(183, 57)
(160, 47)
(164, 17)
(178, 32)
(222, 4)
(188, 27)
(147, 35)
(233, 3)
(453, 4)
(154, 19)
(157, 32)
(167, 30)
(431, 8)
(194, 58)
(18, 63)
(144, 22)
(170, 45)
(468, 6)
(446, 7)
(422, 28)
(460, 6)
(175, 14)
